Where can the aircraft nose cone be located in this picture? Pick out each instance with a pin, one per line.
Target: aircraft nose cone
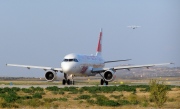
(67, 68)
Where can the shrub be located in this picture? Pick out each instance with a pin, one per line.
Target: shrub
(15, 89)
(108, 89)
(26, 97)
(107, 103)
(61, 92)
(10, 97)
(76, 98)
(94, 89)
(62, 99)
(2, 90)
(25, 90)
(73, 92)
(37, 95)
(90, 101)
(104, 101)
(36, 89)
(52, 88)
(81, 91)
(116, 96)
(72, 89)
(84, 97)
(158, 92)
(58, 92)
(123, 102)
(50, 100)
(133, 99)
(7, 89)
(100, 97)
(80, 101)
(171, 99)
(143, 101)
(55, 92)
(126, 88)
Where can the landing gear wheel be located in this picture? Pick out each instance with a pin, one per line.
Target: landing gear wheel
(72, 82)
(63, 81)
(102, 81)
(68, 82)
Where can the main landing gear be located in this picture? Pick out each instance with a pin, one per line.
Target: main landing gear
(68, 81)
(103, 82)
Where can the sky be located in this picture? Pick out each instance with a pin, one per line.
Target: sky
(42, 32)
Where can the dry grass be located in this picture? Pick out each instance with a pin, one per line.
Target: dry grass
(172, 102)
(71, 103)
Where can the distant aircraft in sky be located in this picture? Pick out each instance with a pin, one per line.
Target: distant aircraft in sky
(85, 65)
(133, 26)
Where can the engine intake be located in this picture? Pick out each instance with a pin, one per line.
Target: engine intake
(109, 75)
(50, 75)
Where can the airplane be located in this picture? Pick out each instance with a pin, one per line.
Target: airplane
(133, 26)
(85, 65)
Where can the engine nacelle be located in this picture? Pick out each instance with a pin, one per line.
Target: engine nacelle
(50, 75)
(109, 75)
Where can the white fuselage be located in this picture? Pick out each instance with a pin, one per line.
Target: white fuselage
(78, 64)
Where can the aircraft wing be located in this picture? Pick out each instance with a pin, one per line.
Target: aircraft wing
(100, 70)
(37, 67)
(116, 61)
(139, 66)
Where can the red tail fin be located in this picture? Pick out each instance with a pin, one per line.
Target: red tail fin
(99, 47)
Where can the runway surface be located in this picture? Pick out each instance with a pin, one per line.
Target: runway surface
(44, 86)
(174, 83)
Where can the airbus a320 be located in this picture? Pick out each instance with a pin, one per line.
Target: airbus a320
(85, 65)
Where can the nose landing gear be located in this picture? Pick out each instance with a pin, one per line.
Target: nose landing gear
(68, 81)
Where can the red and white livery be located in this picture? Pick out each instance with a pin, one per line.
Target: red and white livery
(85, 65)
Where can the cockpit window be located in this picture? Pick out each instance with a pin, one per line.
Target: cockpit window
(75, 60)
(70, 60)
(65, 60)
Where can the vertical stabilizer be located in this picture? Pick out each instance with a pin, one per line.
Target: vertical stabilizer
(99, 46)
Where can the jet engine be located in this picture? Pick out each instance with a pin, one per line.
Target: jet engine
(109, 75)
(50, 75)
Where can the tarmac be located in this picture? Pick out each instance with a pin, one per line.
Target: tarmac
(174, 83)
(45, 86)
